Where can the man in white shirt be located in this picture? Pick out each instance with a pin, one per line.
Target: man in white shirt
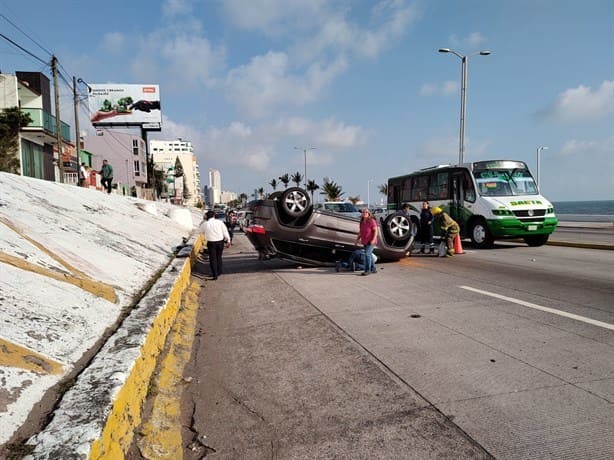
(217, 236)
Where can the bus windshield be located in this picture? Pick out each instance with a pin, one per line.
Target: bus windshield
(505, 182)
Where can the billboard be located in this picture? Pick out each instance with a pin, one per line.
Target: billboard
(125, 105)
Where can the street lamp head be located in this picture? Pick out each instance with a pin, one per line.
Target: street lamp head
(444, 50)
(484, 53)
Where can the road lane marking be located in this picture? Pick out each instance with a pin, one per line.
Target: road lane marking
(584, 319)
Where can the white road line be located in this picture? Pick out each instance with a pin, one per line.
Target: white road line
(584, 319)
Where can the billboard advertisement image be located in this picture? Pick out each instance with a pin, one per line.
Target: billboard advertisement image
(125, 105)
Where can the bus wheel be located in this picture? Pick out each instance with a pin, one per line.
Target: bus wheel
(295, 202)
(480, 235)
(536, 240)
(398, 227)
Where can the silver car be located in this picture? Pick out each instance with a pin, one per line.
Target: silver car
(286, 225)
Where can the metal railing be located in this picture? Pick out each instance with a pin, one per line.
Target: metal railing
(46, 121)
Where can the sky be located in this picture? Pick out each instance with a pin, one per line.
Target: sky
(360, 84)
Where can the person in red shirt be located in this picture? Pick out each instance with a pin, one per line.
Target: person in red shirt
(367, 236)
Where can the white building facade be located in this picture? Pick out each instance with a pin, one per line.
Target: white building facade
(165, 155)
(215, 184)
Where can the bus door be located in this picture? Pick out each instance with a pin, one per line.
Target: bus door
(457, 196)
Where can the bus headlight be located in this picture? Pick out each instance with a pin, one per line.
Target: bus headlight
(502, 212)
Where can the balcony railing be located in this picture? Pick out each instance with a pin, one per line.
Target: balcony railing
(44, 120)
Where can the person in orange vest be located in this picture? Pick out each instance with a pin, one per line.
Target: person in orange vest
(448, 226)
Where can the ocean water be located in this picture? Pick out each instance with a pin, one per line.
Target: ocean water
(594, 208)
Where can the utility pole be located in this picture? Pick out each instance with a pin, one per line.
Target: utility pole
(77, 135)
(58, 125)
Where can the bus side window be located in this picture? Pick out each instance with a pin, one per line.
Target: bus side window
(468, 187)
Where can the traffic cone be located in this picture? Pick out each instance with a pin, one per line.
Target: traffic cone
(458, 247)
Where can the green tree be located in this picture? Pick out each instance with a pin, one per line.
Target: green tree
(331, 190)
(261, 192)
(11, 121)
(274, 184)
(312, 187)
(284, 179)
(354, 199)
(243, 198)
(383, 189)
(297, 178)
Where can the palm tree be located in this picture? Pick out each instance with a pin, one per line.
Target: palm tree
(243, 198)
(274, 184)
(383, 189)
(331, 190)
(284, 179)
(312, 187)
(261, 192)
(354, 199)
(297, 178)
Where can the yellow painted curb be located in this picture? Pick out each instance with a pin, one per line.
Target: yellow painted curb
(13, 355)
(160, 436)
(125, 415)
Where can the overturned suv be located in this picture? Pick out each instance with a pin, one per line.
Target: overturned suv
(286, 225)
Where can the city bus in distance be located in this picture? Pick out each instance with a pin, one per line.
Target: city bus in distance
(490, 200)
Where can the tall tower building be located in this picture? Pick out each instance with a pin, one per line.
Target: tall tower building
(215, 183)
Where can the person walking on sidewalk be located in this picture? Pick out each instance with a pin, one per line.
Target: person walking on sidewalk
(367, 236)
(448, 226)
(107, 175)
(217, 237)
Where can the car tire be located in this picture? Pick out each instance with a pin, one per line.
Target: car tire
(399, 227)
(480, 235)
(275, 195)
(295, 202)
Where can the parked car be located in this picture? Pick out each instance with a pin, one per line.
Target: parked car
(286, 225)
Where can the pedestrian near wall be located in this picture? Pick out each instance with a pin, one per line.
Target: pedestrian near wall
(217, 237)
(107, 175)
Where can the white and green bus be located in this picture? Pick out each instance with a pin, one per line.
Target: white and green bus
(490, 200)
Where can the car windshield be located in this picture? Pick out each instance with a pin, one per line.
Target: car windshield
(505, 182)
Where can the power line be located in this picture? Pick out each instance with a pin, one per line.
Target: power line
(27, 36)
(23, 49)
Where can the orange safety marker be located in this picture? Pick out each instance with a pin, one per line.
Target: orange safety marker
(458, 247)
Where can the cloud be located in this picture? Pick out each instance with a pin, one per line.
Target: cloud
(266, 83)
(446, 88)
(582, 104)
(470, 42)
(113, 42)
(176, 7)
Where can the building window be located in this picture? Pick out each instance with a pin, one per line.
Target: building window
(137, 168)
(135, 146)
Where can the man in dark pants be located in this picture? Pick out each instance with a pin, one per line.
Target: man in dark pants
(217, 237)
(107, 175)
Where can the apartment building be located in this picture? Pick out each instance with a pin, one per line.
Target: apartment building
(126, 153)
(165, 154)
(37, 143)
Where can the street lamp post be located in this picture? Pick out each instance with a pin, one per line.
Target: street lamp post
(369, 193)
(304, 149)
(539, 149)
(464, 60)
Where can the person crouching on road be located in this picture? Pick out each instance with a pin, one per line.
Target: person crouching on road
(367, 236)
(448, 226)
(217, 237)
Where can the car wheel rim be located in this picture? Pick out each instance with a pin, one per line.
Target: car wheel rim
(296, 202)
(399, 226)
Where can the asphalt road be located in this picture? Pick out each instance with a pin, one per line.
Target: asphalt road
(506, 352)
